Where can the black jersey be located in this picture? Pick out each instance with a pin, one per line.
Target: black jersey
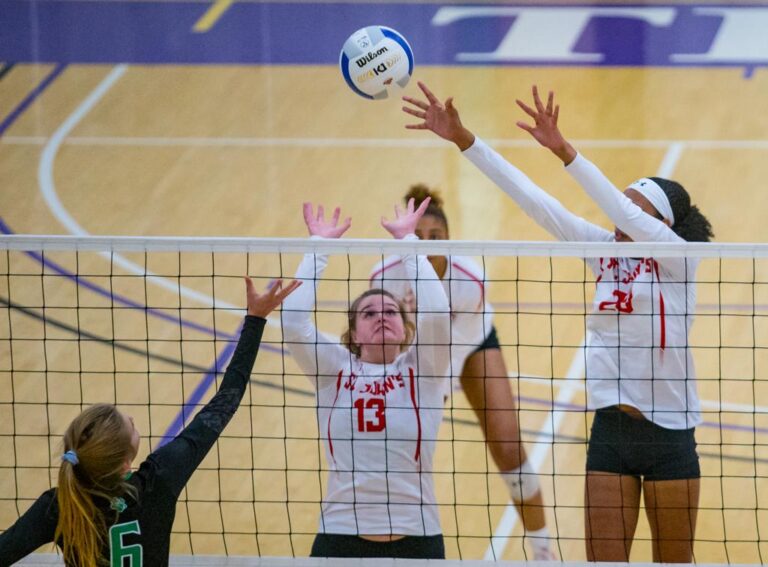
(140, 535)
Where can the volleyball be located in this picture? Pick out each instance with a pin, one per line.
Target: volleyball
(373, 58)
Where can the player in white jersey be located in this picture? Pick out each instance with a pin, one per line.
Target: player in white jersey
(477, 364)
(380, 404)
(639, 368)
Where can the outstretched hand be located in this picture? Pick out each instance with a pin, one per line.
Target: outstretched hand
(262, 304)
(405, 222)
(545, 130)
(442, 119)
(318, 226)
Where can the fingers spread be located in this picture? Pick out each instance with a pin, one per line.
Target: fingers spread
(416, 113)
(423, 206)
(525, 127)
(416, 102)
(428, 93)
(288, 290)
(527, 109)
(275, 286)
(308, 213)
(537, 100)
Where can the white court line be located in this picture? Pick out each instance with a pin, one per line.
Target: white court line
(48, 190)
(666, 169)
(576, 370)
(671, 159)
(47, 185)
(561, 306)
(733, 407)
(540, 452)
(256, 142)
(47, 158)
(719, 405)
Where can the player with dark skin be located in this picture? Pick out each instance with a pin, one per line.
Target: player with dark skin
(646, 403)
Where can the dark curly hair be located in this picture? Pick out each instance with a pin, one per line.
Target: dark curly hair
(690, 224)
(419, 192)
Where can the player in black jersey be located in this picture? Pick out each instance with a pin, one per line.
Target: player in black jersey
(101, 512)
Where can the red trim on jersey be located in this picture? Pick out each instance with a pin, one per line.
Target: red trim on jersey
(475, 279)
(663, 341)
(418, 417)
(383, 269)
(330, 413)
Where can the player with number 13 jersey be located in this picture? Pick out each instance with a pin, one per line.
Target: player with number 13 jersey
(379, 398)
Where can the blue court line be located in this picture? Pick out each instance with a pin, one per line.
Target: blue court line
(190, 405)
(205, 383)
(5, 229)
(178, 422)
(5, 68)
(208, 378)
(30, 98)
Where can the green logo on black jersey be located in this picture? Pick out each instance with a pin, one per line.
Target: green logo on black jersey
(118, 551)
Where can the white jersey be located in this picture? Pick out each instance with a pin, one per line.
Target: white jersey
(464, 283)
(637, 339)
(379, 423)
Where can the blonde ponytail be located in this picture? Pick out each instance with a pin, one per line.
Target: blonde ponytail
(97, 445)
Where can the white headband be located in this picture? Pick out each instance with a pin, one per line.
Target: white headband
(649, 189)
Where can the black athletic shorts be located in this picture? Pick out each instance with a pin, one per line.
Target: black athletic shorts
(491, 342)
(410, 547)
(622, 444)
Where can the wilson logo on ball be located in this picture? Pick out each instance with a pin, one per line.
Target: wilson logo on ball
(370, 57)
(373, 58)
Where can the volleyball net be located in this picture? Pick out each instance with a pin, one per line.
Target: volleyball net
(150, 323)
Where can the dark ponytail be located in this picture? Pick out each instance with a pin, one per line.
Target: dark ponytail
(690, 224)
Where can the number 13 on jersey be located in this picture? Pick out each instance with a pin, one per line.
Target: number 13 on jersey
(376, 411)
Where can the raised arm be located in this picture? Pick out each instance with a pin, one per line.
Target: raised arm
(433, 315)
(176, 461)
(389, 275)
(545, 129)
(628, 217)
(318, 356)
(548, 212)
